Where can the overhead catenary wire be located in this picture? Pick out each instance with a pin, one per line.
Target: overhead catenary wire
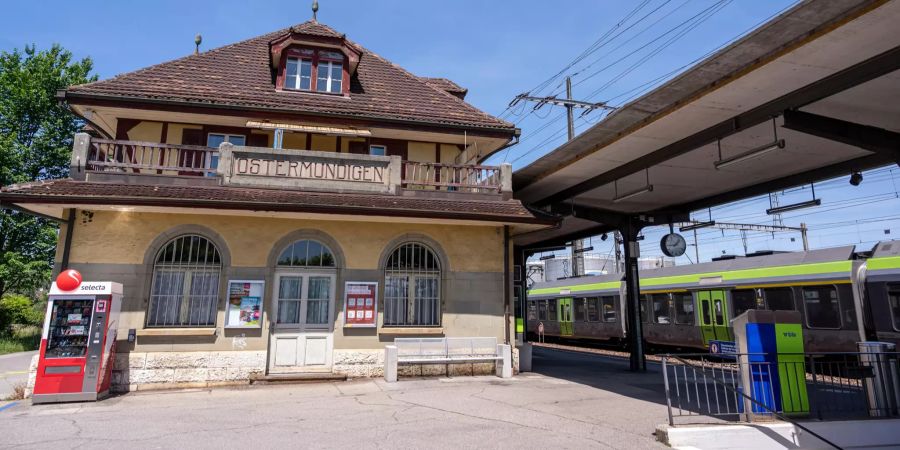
(640, 89)
(595, 45)
(681, 30)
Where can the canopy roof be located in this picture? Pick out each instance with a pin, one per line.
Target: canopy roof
(826, 71)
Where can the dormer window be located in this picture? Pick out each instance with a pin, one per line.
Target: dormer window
(328, 67)
(298, 74)
(330, 72)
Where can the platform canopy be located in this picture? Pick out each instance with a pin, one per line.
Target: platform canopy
(822, 76)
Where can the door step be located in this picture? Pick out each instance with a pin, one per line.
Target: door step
(297, 378)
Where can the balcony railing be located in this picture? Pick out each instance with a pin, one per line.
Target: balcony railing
(452, 177)
(107, 156)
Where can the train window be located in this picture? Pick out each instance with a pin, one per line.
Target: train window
(551, 309)
(532, 311)
(593, 308)
(821, 307)
(779, 299)
(661, 313)
(742, 300)
(894, 303)
(720, 312)
(580, 312)
(609, 309)
(705, 318)
(542, 309)
(645, 317)
(684, 308)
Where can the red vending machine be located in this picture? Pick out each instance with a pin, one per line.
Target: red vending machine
(78, 340)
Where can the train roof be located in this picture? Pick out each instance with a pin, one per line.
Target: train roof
(828, 263)
(844, 253)
(886, 249)
(589, 279)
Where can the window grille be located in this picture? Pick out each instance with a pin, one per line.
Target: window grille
(412, 287)
(185, 285)
(306, 253)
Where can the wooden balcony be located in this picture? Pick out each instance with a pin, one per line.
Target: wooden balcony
(154, 163)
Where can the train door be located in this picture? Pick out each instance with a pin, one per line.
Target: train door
(713, 316)
(565, 317)
(704, 306)
(720, 315)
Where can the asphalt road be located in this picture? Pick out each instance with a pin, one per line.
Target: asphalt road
(13, 371)
(571, 401)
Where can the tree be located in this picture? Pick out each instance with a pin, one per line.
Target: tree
(36, 132)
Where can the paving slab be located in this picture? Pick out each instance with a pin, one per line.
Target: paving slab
(570, 401)
(14, 371)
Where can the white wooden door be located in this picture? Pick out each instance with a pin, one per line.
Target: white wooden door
(302, 335)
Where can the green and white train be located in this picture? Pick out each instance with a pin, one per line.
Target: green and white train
(834, 290)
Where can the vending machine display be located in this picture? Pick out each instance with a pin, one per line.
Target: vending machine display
(78, 342)
(69, 322)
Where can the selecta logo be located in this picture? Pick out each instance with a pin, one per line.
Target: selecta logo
(68, 280)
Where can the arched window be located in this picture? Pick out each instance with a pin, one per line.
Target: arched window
(305, 297)
(306, 253)
(185, 289)
(412, 286)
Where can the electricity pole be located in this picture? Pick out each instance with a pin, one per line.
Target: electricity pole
(570, 104)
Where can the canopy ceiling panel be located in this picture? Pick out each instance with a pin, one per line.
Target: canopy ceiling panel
(614, 142)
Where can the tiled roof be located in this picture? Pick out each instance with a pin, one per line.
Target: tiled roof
(67, 191)
(446, 85)
(239, 75)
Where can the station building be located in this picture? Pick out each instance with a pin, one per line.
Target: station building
(288, 203)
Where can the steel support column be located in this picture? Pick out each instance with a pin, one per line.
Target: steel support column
(633, 329)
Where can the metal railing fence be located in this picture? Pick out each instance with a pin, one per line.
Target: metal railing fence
(824, 386)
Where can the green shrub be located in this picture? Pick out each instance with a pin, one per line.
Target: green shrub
(19, 310)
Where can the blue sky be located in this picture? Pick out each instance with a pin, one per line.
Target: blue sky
(496, 49)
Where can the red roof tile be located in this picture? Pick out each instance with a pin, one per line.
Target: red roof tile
(447, 85)
(239, 75)
(69, 191)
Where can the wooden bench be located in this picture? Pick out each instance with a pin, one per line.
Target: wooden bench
(447, 351)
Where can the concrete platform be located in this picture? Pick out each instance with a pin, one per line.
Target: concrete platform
(850, 434)
(569, 401)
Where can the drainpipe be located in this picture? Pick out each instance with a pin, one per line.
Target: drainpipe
(506, 282)
(67, 245)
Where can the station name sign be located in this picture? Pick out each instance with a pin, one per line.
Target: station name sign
(318, 170)
(308, 170)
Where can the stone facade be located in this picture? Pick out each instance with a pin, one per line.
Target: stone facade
(359, 363)
(370, 363)
(137, 371)
(168, 370)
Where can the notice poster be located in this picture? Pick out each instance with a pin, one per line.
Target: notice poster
(360, 304)
(244, 308)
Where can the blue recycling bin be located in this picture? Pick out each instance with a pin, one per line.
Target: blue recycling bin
(774, 370)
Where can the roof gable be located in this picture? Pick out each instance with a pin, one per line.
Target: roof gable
(240, 75)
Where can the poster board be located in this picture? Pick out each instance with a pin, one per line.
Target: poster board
(245, 303)
(360, 304)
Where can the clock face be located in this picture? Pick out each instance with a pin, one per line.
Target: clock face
(673, 245)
